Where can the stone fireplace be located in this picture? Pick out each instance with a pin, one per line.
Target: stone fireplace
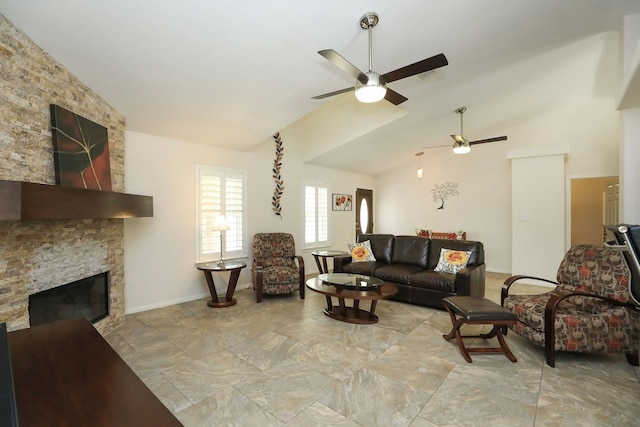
(87, 297)
(42, 254)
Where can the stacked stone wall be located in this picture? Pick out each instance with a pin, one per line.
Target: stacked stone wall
(38, 255)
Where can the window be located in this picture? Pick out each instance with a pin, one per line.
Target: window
(316, 214)
(220, 192)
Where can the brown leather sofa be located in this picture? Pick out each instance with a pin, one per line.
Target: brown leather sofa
(409, 262)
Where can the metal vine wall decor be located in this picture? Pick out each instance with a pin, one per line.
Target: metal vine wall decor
(277, 165)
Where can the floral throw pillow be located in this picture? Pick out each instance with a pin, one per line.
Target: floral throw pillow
(361, 252)
(452, 261)
(422, 232)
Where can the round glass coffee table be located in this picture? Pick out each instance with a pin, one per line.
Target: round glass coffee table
(356, 287)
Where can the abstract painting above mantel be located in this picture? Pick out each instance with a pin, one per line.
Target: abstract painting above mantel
(80, 151)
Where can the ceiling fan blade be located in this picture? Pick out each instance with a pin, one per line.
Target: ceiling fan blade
(338, 60)
(458, 138)
(418, 68)
(437, 146)
(336, 92)
(483, 141)
(394, 97)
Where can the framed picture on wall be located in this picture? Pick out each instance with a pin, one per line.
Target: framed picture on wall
(342, 202)
(80, 151)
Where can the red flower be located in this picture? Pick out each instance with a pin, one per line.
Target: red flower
(571, 322)
(614, 344)
(571, 344)
(623, 280)
(614, 322)
(591, 253)
(359, 253)
(584, 270)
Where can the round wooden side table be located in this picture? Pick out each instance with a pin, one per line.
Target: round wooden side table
(234, 267)
(322, 267)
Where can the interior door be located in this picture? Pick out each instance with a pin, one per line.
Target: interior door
(364, 211)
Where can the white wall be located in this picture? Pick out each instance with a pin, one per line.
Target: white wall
(160, 251)
(629, 141)
(483, 207)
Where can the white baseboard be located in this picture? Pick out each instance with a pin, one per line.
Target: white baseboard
(133, 310)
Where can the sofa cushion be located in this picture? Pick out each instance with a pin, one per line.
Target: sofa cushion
(381, 244)
(399, 273)
(361, 252)
(366, 268)
(427, 279)
(412, 250)
(476, 248)
(452, 261)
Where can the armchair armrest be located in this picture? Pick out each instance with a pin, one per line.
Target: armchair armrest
(504, 293)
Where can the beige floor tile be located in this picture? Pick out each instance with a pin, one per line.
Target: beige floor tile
(283, 362)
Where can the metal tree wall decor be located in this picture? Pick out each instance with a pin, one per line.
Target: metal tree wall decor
(277, 165)
(443, 191)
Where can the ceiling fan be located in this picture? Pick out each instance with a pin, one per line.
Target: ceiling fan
(371, 86)
(462, 145)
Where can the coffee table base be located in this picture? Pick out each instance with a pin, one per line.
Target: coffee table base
(351, 314)
(360, 317)
(220, 304)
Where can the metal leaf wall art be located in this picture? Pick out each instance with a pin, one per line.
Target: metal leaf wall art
(277, 165)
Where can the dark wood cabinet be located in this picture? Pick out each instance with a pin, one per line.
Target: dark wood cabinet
(66, 374)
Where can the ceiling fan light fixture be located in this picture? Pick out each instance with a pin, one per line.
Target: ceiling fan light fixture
(461, 147)
(373, 91)
(369, 94)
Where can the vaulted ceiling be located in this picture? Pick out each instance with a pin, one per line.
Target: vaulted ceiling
(231, 73)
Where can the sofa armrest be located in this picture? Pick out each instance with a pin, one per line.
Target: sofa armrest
(470, 281)
(339, 261)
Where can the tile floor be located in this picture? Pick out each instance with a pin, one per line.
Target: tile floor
(284, 363)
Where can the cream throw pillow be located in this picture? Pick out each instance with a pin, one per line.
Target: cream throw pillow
(452, 261)
(361, 252)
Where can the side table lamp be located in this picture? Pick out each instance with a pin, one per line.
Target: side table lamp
(221, 226)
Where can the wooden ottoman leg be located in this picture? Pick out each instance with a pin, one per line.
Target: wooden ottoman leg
(455, 332)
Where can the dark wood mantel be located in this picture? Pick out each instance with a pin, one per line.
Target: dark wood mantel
(22, 201)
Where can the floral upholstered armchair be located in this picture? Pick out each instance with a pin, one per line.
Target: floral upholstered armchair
(589, 310)
(276, 267)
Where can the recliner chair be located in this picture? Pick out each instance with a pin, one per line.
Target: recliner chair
(274, 265)
(589, 310)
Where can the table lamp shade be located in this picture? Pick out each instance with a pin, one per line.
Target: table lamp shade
(220, 224)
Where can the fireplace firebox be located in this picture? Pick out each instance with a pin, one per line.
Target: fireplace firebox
(88, 297)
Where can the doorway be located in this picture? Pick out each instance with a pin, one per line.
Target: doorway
(594, 205)
(364, 212)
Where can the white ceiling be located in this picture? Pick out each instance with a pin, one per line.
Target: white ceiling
(230, 73)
